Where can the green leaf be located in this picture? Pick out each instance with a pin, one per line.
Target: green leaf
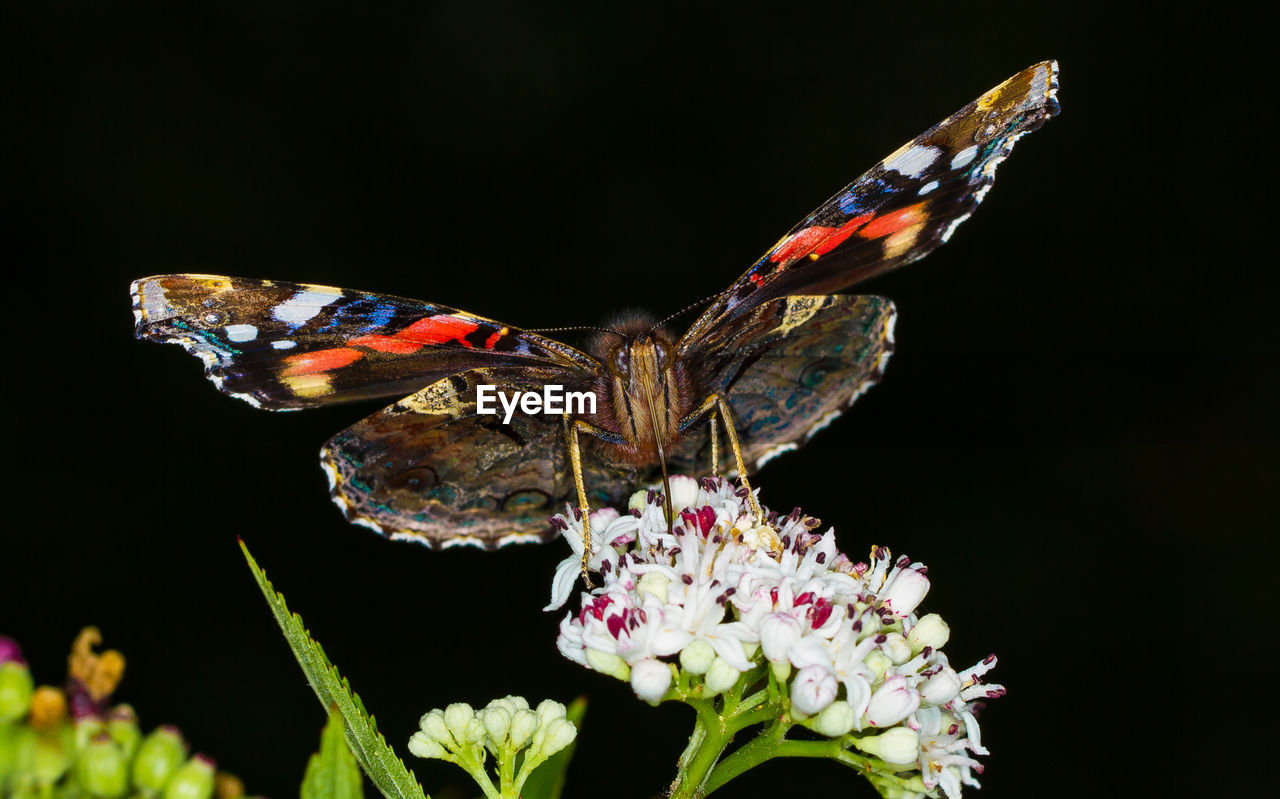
(373, 753)
(332, 772)
(547, 780)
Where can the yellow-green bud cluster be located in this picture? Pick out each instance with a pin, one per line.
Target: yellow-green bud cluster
(520, 738)
(92, 757)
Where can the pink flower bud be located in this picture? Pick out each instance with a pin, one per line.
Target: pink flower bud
(892, 702)
(814, 688)
(904, 591)
(778, 632)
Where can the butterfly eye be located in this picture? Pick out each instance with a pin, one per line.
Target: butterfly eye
(621, 359)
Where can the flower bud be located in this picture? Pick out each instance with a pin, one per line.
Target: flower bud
(778, 632)
(608, 663)
(896, 647)
(10, 652)
(102, 769)
(159, 756)
(51, 758)
(892, 702)
(559, 734)
(721, 676)
(458, 718)
(423, 745)
(900, 745)
(194, 780)
(930, 631)
(549, 710)
(639, 500)
(781, 670)
(654, 584)
(523, 724)
(684, 492)
(836, 719)
(497, 723)
(814, 688)
(941, 688)
(697, 657)
(904, 591)
(650, 679)
(122, 726)
(878, 662)
(16, 687)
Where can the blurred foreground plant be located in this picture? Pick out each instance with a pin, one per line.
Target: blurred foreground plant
(70, 742)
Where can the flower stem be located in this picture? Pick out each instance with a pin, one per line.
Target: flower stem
(751, 754)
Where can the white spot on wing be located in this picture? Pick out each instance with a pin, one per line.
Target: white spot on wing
(912, 160)
(304, 305)
(284, 344)
(241, 332)
(928, 187)
(964, 157)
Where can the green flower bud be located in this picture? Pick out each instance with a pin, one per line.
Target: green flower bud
(896, 647)
(193, 781)
(86, 729)
(458, 718)
(16, 687)
(159, 756)
(423, 745)
(122, 726)
(608, 663)
(497, 724)
(559, 734)
(835, 720)
(102, 769)
(929, 631)
(899, 745)
(17, 750)
(432, 724)
(878, 662)
(721, 676)
(697, 657)
(523, 724)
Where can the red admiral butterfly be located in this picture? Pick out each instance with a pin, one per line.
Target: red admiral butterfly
(775, 356)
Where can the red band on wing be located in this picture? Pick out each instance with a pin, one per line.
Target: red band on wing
(306, 363)
(391, 344)
(438, 330)
(893, 222)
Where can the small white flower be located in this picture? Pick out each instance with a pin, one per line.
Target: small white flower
(725, 594)
(892, 702)
(650, 679)
(814, 688)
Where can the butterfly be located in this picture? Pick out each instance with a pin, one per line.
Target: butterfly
(773, 358)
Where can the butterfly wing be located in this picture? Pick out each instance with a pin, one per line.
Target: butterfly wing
(901, 209)
(285, 346)
(792, 365)
(431, 469)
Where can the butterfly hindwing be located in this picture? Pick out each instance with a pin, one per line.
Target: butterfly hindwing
(431, 469)
(899, 210)
(285, 346)
(792, 365)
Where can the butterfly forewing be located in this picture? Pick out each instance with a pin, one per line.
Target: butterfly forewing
(285, 346)
(900, 209)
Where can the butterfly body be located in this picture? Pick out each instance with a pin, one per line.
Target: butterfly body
(775, 357)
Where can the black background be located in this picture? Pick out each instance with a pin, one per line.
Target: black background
(1077, 432)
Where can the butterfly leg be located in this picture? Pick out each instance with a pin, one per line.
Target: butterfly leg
(717, 402)
(572, 428)
(715, 448)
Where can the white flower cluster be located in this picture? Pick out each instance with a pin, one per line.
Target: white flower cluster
(505, 728)
(727, 591)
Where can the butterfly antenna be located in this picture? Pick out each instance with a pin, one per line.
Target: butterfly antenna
(690, 307)
(567, 329)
